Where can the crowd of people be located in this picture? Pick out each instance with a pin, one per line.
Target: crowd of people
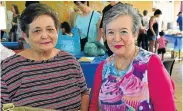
(43, 76)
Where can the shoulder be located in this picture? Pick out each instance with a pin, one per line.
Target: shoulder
(10, 59)
(164, 38)
(96, 15)
(153, 18)
(78, 18)
(179, 18)
(65, 54)
(159, 38)
(143, 55)
(155, 63)
(11, 63)
(101, 64)
(155, 58)
(66, 58)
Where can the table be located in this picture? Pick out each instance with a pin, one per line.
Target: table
(177, 41)
(89, 68)
(11, 45)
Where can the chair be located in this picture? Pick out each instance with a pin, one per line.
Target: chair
(169, 65)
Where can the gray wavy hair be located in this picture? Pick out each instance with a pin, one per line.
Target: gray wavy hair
(123, 9)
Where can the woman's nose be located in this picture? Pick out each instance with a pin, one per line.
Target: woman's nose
(117, 37)
(44, 35)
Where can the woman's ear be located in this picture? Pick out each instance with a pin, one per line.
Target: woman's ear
(24, 35)
(136, 35)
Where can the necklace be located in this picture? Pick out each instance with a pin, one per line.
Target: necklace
(118, 67)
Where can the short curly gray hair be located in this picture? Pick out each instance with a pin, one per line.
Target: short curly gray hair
(123, 9)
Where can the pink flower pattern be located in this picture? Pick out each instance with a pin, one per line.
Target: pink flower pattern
(129, 92)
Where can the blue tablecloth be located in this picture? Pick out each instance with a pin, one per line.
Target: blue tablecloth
(11, 45)
(89, 69)
(176, 40)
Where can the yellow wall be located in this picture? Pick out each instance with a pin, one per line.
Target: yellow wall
(176, 9)
(20, 4)
(141, 5)
(63, 8)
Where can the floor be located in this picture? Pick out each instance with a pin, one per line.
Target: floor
(177, 78)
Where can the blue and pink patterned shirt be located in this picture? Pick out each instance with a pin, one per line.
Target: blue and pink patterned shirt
(132, 89)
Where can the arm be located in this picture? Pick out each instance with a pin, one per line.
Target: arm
(83, 89)
(96, 88)
(162, 26)
(166, 41)
(4, 93)
(13, 23)
(151, 25)
(101, 24)
(158, 41)
(84, 102)
(4, 87)
(178, 19)
(99, 30)
(161, 87)
(142, 29)
(71, 20)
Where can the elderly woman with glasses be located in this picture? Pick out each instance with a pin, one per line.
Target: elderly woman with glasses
(43, 76)
(132, 79)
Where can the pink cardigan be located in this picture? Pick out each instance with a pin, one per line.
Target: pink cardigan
(161, 87)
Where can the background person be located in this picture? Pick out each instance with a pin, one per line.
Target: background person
(82, 23)
(153, 30)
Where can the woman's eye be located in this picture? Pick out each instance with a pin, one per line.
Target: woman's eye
(124, 32)
(37, 31)
(50, 30)
(110, 33)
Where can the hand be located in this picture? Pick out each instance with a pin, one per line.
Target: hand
(154, 35)
(12, 23)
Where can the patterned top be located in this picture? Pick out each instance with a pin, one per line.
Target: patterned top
(57, 83)
(128, 89)
(144, 86)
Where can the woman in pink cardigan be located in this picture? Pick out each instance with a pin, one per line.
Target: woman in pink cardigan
(132, 79)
